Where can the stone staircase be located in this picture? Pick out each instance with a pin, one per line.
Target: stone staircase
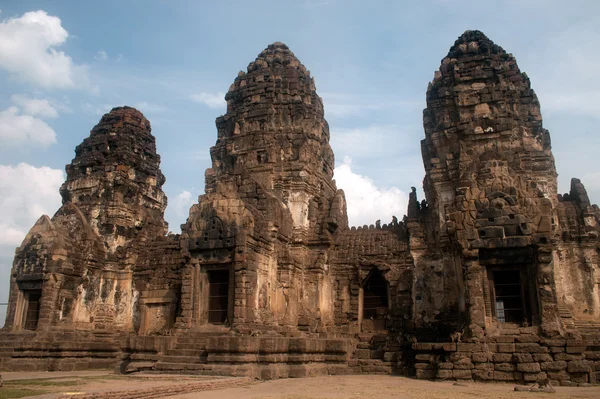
(187, 356)
(375, 354)
(588, 328)
(566, 316)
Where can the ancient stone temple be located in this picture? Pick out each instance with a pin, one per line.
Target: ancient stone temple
(493, 276)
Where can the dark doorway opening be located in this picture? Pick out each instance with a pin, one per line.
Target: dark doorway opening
(375, 299)
(32, 314)
(509, 304)
(218, 296)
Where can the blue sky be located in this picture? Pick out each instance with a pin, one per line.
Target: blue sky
(65, 63)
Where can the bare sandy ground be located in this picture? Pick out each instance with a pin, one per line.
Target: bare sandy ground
(57, 385)
(381, 387)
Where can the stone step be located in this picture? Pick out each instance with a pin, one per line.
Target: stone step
(186, 352)
(196, 346)
(134, 367)
(182, 359)
(144, 356)
(564, 311)
(181, 367)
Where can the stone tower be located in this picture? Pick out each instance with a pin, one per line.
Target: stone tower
(270, 195)
(116, 182)
(76, 268)
(490, 179)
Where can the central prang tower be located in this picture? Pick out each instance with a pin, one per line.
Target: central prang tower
(271, 206)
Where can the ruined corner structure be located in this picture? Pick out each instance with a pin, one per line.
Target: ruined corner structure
(493, 277)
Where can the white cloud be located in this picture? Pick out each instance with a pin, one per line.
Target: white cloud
(367, 202)
(26, 193)
(35, 106)
(212, 100)
(28, 51)
(181, 204)
(24, 130)
(101, 55)
(373, 140)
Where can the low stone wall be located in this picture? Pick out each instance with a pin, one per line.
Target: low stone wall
(255, 357)
(522, 359)
(277, 357)
(57, 351)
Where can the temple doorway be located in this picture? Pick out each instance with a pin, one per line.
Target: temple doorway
(218, 296)
(375, 301)
(32, 313)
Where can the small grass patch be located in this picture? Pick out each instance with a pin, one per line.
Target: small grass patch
(11, 393)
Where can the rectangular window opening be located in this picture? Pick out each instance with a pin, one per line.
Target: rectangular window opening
(218, 296)
(32, 314)
(508, 296)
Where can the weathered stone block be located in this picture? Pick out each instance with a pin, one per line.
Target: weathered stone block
(529, 367)
(568, 357)
(464, 364)
(444, 374)
(484, 366)
(423, 366)
(504, 376)
(542, 357)
(462, 374)
(505, 367)
(592, 355)
(558, 375)
(505, 348)
(578, 366)
(481, 357)
(502, 357)
(554, 365)
(484, 375)
(532, 377)
(424, 357)
(469, 347)
(425, 374)
(522, 358)
(529, 348)
(580, 378)
(527, 338)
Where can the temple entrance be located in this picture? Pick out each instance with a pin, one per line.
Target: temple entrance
(32, 313)
(375, 301)
(218, 296)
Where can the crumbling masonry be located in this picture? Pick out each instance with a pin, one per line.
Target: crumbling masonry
(493, 277)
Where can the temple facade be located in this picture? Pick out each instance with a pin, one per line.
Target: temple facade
(493, 276)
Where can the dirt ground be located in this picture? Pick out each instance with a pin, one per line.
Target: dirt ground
(55, 385)
(381, 387)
